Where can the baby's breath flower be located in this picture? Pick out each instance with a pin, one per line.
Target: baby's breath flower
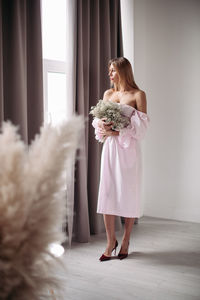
(112, 112)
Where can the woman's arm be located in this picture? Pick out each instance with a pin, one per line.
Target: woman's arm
(106, 127)
(139, 122)
(101, 129)
(141, 101)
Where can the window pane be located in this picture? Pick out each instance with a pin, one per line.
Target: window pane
(56, 100)
(54, 29)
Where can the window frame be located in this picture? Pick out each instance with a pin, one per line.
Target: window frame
(51, 66)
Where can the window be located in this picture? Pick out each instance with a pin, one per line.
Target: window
(54, 60)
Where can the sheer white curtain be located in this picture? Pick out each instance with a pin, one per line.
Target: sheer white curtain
(71, 94)
(59, 73)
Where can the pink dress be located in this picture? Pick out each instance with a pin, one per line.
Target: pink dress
(120, 176)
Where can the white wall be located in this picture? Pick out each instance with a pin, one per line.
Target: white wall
(167, 66)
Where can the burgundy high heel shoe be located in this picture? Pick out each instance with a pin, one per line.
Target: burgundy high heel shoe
(122, 255)
(104, 257)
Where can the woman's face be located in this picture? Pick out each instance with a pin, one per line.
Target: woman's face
(113, 74)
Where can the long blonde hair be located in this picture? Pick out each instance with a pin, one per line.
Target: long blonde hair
(124, 70)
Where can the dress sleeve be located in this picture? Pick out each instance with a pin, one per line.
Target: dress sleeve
(98, 136)
(137, 128)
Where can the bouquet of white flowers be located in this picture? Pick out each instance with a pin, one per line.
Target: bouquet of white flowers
(111, 111)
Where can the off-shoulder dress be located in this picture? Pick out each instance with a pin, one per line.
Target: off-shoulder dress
(121, 168)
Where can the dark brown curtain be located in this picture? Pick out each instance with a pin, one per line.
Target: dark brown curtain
(21, 93)
(99, 39)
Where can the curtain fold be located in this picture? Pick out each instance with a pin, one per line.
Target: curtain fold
(98, 39)
(21, 87)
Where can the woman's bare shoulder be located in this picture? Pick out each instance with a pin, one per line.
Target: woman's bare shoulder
(136, 92)
(140, 95)
(133, 93)
(107, 94)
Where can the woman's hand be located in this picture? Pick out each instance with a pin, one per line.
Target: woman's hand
(107, 133)
(105, 128)
(104, 125)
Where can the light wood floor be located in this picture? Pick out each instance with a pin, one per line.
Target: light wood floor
(163, 264)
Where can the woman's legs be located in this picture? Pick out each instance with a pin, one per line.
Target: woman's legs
(109, 221)
(127, 232)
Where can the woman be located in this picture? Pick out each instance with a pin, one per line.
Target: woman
(119, 188)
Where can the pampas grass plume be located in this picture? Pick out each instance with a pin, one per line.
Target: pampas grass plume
(33, 208)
